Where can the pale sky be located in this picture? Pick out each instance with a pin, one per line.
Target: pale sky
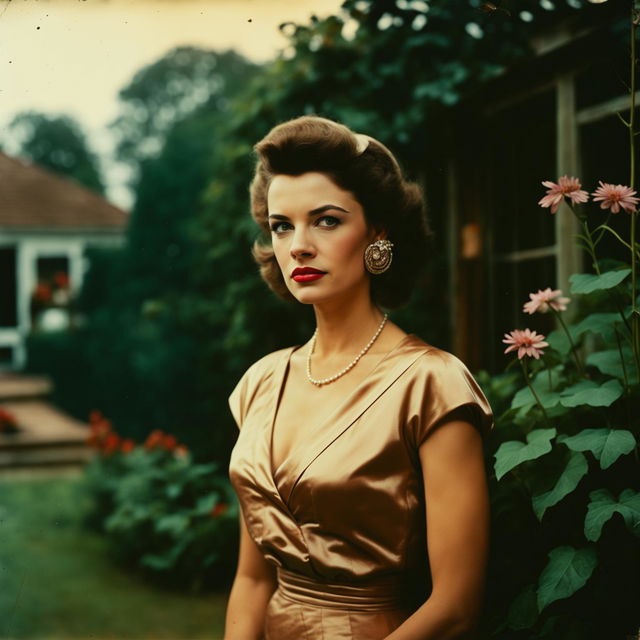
(73, 56)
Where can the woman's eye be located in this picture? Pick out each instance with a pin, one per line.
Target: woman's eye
(325, 221)
(277, 227)
(329, 221)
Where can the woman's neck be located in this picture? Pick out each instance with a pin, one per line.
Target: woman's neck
(344, 329)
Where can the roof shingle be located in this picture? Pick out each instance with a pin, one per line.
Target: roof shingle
(31, 196)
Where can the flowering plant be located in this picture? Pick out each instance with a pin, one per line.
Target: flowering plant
(171, 518)
(8, 423)
(568, 466)
(52, 291)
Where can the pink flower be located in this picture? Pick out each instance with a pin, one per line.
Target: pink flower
(615, 197)
(566, 187)
(544, 300)
(528, 343)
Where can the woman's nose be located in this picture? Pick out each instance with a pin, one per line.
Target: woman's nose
(301, 244)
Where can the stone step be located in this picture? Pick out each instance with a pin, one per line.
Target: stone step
(46, 457)
(15, 386)
(47, 437)
(31, 442)
(39, 420)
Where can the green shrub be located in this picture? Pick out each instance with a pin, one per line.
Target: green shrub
(172, 519)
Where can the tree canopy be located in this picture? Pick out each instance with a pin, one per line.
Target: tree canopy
(184, 80)
(57, 143)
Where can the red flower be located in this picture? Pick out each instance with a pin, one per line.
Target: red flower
(111, 443)
(219, 509)
(95, 416)
(98, 432)
(7, 421)
(104, 438)
(101, 428)
(127, 445)
(169, 442)
(154, 440)
(6, 416)
(61, 279)
(42, 292)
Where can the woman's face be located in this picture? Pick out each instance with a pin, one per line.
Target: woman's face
(316, 225)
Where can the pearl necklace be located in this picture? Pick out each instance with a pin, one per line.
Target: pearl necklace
(350, 366)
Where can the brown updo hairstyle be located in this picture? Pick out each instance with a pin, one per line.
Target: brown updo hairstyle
(373, 176)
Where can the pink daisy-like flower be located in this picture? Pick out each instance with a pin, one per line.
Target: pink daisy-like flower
(545, 300)
(615, 197)
(566, 187)
(527, 343)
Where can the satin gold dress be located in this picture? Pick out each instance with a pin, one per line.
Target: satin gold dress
(343, 517)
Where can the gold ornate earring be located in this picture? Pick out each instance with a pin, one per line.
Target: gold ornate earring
(378, 256)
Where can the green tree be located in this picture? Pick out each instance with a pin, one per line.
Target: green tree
(150, 318)
(183, 81)
(57, 143)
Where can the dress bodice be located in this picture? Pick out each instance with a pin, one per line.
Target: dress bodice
(348, 507)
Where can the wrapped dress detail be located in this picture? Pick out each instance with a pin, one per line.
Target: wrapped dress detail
(344, 519)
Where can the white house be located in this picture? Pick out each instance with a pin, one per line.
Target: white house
(46, 222)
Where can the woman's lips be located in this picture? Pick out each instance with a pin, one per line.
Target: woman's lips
(308, 277)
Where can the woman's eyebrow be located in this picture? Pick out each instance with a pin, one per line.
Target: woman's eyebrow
(313, 212)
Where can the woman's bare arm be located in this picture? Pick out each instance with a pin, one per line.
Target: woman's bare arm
(254, 583)
(457, 512)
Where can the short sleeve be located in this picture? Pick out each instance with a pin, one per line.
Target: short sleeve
(249, 385)
(238, 400)
(449, 391)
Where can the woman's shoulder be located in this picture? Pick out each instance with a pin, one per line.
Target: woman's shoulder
(443, 383)
(251, 382)
(270, 360)
(429, 354)
(265, 365)
(432, 360)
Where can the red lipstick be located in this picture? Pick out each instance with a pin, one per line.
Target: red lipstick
(306, 274)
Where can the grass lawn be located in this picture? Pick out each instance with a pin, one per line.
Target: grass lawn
(57, 582)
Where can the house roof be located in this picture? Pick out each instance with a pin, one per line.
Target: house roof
(33, 197)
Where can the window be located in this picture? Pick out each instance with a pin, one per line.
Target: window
(8, 291)
(521, 144)
(50, 297)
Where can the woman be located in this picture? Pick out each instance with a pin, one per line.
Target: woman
(359, 465)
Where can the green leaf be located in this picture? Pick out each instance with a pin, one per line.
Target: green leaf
(512, 453)
(588, 283)
(544, 381)
(600, 323)
(587, 392)
(524, 398)
(168, 559)
(609, 363)
(173, 490)
(207, 503)
(558, 340)
(576, 468)
(567, 571)
(607, 445)
(603, 506)
(523, 611)
(174, 524)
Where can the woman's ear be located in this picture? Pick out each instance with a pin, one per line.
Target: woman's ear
(377, 233)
